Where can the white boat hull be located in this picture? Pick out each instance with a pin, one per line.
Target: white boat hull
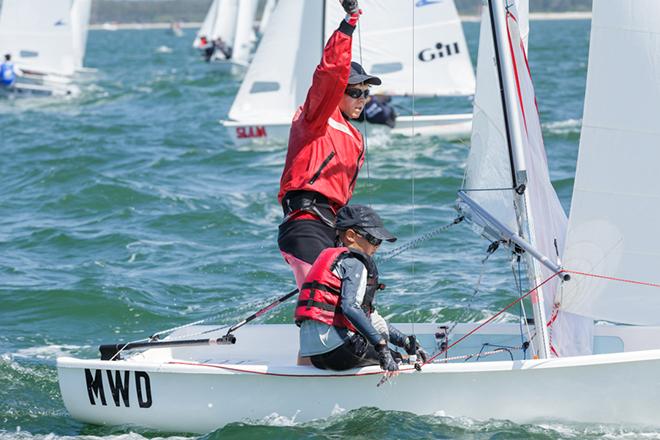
(450, 127)
(201, 389)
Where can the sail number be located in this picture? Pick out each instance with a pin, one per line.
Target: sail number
(118, 382)
(439, 51)
(250, 132)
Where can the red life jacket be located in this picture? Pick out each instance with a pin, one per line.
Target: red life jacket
(325, 151)
(320, 295)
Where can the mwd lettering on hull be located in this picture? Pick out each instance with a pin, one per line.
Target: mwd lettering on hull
(118, 383)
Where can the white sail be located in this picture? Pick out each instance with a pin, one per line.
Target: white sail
(207, 25)
(488, 167)
(280, 73)
(220, 22)
(506, 155)
(244, 37)
(40, 41)
(523, 21)
(414, 47)
(265, 15)
(80, 12)
(615, 210)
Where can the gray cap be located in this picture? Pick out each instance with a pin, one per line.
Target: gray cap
(363, 218)
(359, 75)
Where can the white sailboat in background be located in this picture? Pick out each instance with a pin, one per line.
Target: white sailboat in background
(269, 7)
(424, 55)
(232, 22)
(611, 253)
(48, 46)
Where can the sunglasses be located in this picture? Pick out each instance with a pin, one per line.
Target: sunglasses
(370, 238)
(357, 93)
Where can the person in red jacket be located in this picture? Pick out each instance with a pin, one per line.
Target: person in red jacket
(325, 151)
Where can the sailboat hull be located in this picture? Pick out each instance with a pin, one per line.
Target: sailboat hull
(450, 127)
(202, 389)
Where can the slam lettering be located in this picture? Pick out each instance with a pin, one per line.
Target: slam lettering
(119, 383)
(250, 132)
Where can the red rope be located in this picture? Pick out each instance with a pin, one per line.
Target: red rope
(606, 277)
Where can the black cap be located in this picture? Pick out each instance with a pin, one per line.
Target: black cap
(364, 218)
(359, 75)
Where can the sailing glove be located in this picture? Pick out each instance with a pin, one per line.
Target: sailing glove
(419, 351)
(385, 359)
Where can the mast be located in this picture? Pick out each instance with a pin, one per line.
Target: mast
(323, 8)
(498, 13)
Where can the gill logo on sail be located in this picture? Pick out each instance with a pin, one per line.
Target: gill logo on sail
(439, 51)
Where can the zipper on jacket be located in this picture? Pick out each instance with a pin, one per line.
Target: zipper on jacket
(357, 167)
(323, 165)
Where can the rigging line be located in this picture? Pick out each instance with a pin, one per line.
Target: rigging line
(365, 127)
(477, 289)
(486, 189)
(412, 152)
(517, 278)
(492, 318)
(413, 243)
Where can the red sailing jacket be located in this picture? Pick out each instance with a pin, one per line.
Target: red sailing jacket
(320, 294)
(325, 151)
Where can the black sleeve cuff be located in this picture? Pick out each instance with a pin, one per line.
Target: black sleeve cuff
(346, 28)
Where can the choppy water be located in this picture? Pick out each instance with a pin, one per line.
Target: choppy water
(123, 211)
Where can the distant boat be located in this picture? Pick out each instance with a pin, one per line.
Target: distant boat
(110, 26)
(48, 46)
(390, 44)
(227, 36)
(176, 29)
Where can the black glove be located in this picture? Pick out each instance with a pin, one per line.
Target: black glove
(417, 349)
(385, 358)
(350, 6)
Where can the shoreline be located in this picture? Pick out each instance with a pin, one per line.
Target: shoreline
(468, 18)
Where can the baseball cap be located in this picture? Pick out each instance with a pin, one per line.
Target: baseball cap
(364, 218)
(359, 75)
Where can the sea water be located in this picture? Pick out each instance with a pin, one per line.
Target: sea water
(124, 210)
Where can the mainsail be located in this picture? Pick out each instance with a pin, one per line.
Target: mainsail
(507, 190)
(615, 209)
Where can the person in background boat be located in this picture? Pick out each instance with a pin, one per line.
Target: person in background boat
(339, 326)
(207, 48)
(378, 110)
(8, 72)
(325, 151)
(220, 45)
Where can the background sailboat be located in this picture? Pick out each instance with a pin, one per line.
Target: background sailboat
(437, 64)
(49, 47)
(232, 21)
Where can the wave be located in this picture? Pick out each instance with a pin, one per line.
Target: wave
(568, 126)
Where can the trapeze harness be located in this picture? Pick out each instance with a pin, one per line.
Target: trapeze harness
(320, 295)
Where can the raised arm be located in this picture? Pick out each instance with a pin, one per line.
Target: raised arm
(330, 77)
